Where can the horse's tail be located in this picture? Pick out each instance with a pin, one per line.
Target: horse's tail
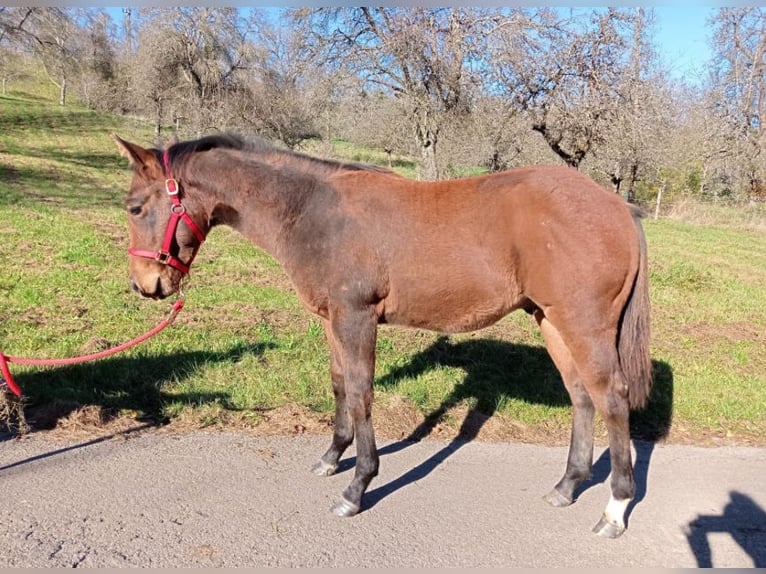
(633, 343)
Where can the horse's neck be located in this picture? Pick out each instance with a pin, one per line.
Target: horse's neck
(261, 208)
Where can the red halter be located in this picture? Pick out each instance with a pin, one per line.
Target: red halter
(177, 213)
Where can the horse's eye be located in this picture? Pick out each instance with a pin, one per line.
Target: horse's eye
(134, 210)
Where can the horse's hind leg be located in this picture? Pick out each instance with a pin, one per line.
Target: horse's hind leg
(592, 374)
(343, 429)
(612, 404)
(602, 375)
(580, 459)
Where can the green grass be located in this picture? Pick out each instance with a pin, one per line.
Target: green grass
(244, 345)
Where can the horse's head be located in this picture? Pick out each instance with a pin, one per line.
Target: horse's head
(164, 238)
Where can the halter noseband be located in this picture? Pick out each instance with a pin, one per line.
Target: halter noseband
(177, 213)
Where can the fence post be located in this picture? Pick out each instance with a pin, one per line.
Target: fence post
(659, 200)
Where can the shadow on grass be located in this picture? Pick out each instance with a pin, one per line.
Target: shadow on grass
(76, 187)
(498, 370)
(126, 383)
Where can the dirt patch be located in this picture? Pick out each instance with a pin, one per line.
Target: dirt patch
(395, 418)
(737, 331)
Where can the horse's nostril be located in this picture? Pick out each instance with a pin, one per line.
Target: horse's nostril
(134, 286)
(158, 292)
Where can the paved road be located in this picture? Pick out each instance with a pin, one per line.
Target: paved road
(154, 498)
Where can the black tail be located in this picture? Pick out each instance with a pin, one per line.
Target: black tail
(633, 344)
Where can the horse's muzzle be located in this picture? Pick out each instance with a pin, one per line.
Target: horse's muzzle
(156, 291)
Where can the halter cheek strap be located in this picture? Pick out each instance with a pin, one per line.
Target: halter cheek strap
(177, 213)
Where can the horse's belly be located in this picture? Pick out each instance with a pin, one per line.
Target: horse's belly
(449, 309)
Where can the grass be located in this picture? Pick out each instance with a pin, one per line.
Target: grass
(244, 349)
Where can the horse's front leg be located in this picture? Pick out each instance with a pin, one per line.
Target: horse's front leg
(355, 332)
(343, 430)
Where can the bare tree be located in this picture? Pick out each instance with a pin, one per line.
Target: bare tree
(98, 81)
(285, 96)
(154, 85)
(419, 55)
(198, 52)
(53, 36)
(635, 143)
(11, 19)
(497, 137)
(740, 75)
(564, 72)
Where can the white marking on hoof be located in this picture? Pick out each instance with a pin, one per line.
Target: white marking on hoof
(612, 524)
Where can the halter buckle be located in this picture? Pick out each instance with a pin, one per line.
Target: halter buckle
(163, 257)
(171, 186)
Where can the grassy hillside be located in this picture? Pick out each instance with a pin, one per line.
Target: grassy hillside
(245, 353)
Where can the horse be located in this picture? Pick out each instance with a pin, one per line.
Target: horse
(364, 246)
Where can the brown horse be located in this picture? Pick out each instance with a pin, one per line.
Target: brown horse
(364, 246)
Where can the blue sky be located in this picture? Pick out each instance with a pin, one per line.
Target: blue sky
(683, 39)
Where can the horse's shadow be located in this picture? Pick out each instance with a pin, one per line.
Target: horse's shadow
(496, 371)
(127, 383)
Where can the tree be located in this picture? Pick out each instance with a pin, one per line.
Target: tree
(154, 84)
(419, 55)
(284, 96)
(198, 55)
(740, 74)
(564, 71)
(634, 144)
(98, 74)
(52, 35)
(10, 57)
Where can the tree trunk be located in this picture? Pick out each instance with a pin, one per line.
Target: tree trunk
(62, 93)
(631, 196)
(426, 136)
(157, 118)
(573, 159)
(428, 170)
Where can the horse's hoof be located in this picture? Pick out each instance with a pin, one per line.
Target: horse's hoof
(323, 469)
(608, 529)
(556, 499)
(345, 509)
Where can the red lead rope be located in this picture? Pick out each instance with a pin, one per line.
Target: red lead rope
(178, 213)
(5, 359)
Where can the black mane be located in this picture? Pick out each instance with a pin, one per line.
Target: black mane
(259, 146)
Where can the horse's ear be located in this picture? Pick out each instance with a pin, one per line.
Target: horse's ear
(140, 159)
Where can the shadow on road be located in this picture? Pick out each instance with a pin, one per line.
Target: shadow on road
(72, 447)
(743, 519)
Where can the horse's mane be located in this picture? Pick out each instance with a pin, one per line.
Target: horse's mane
(263, 147)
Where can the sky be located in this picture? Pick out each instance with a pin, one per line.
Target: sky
(682, 37)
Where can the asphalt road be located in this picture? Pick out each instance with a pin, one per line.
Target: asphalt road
(158, 499)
